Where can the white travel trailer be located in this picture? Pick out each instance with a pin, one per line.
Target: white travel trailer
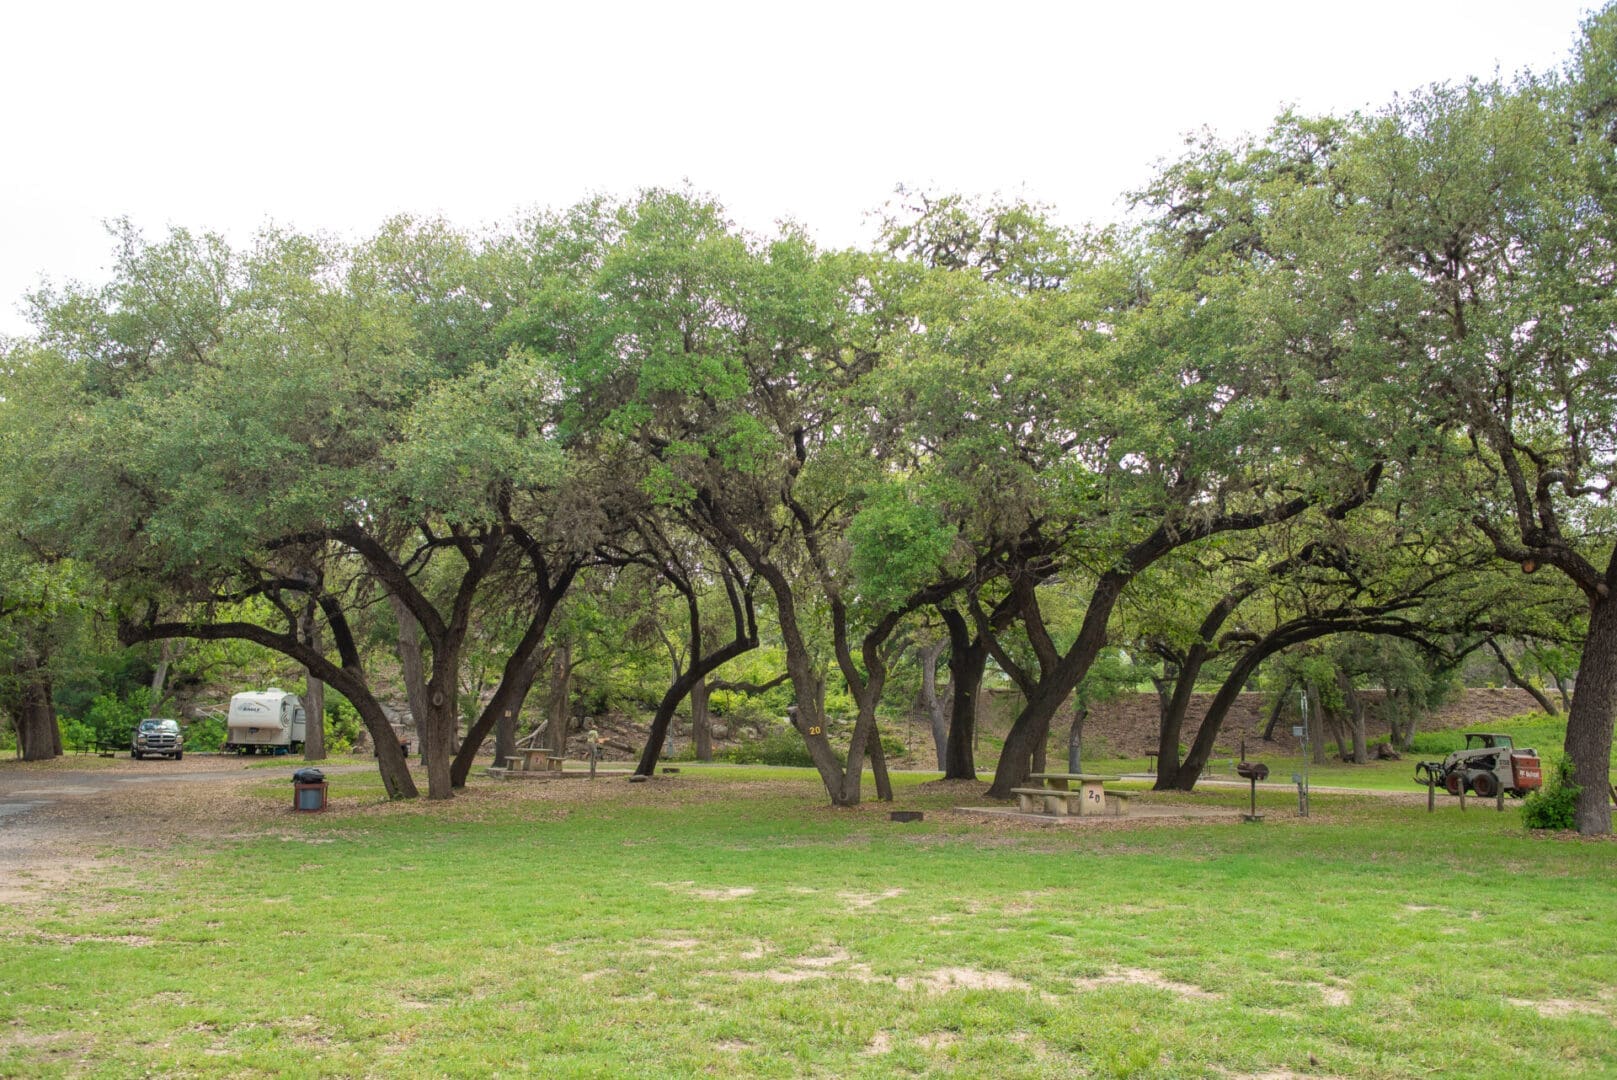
(265, 722)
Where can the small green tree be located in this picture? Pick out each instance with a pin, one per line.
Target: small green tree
(1555, 805)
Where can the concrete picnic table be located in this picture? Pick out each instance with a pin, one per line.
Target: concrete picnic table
(1056, 796)
(535, 760)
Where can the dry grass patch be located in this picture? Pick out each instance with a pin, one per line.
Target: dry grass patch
(1152, 979)
(944, 980)
(1553, 1008)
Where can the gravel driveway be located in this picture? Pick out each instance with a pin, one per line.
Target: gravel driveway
(58, 819)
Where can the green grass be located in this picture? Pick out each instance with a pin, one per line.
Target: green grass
(728, 922)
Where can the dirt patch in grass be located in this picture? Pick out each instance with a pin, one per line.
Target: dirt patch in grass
(1553, 1008)
(869, 900)
(40, 937)
(1334, 996)
(37, 882)
(1142, 977)
(944, 980)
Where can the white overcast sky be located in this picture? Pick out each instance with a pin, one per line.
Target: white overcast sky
(335, 115)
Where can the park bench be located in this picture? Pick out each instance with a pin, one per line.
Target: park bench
(1048, 801)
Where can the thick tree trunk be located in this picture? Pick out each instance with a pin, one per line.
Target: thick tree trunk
(968, 657)
(1075, 738)
(1589, 721)
(314, 698)
(1360, 753)
(701, 720)
(1411, 722)
(390, 762)
(438, 745)
(878, 765)
(1031, 729)
(933, 705)
(39, 738)
(1316, 726)
(505, 735)
(558, 698)
(411, 666)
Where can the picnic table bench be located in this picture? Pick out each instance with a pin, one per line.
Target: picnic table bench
(527, 759)
(1057, 796)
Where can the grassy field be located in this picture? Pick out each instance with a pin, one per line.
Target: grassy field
(725, 921)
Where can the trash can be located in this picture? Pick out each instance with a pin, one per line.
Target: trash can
(309, 790)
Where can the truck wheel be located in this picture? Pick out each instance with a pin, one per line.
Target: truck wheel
(1485, 784)
(135, 754)
(179, 755)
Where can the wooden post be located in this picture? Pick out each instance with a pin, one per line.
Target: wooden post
(1431, 793)
(1499, 799)
(1462, 794)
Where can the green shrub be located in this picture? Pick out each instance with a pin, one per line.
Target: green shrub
(208, 733)
(342, 723)
(1552, 806)
(783, 746)
(893, 746)
(77, 735)
(1437, 743)
(112, 719)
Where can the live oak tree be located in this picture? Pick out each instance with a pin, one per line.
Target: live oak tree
(1476, 232)
(290, 424)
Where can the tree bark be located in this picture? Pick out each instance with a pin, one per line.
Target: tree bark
(411, 665)
(968, 658)
(314, 696)
(1031, 729)
(438, 742)
(558, 698)
(39, 737)
(1589, 722)
(1360, 753)
(878, 765)
(933, 705)
(505, 735)
(1075, 738)
(701, 721)
(1316, 726)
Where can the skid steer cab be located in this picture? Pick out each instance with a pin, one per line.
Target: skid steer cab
(1488, 765)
